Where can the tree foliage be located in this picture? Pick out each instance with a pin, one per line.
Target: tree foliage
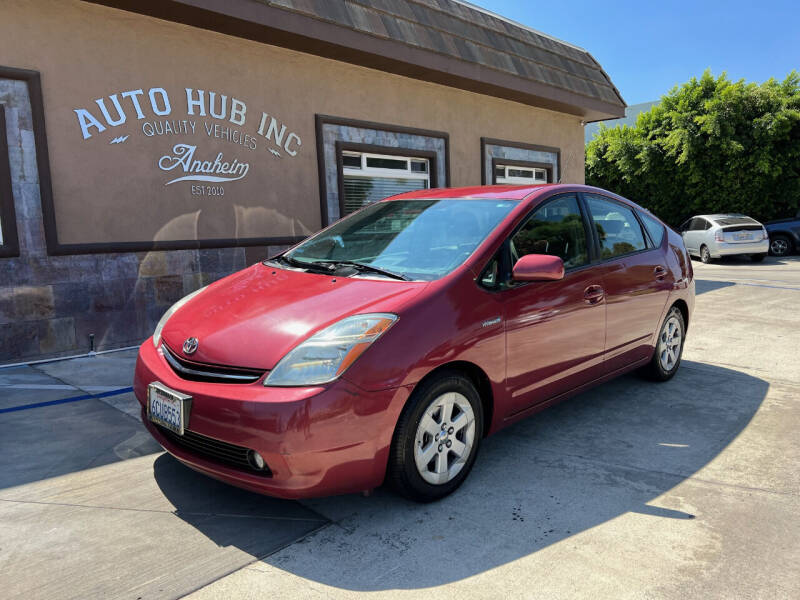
(710, 146)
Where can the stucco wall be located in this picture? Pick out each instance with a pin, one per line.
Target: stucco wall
(104, 192)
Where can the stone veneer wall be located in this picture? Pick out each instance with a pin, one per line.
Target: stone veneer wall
(49, 305)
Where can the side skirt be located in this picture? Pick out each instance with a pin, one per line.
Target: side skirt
(526, 412)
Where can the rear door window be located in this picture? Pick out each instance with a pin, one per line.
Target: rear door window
(654, 228)
(618, 230)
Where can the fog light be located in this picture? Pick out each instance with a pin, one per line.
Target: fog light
(256, 460)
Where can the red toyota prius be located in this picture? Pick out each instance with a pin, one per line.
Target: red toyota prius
(385, 347)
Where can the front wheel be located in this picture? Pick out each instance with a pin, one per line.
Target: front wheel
(437, 438)
(669, 347)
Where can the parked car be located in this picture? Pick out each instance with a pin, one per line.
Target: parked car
(784, 236)
(715, 236)
(386, 346)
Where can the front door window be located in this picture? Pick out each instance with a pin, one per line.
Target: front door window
(556, 229)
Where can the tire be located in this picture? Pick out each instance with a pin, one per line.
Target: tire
(705, 255)
(758, 257)
(780, 245)
(414, 441)
(660, 369)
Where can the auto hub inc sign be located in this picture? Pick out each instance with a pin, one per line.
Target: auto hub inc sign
(184, 129)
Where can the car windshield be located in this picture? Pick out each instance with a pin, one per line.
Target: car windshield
(410, 239)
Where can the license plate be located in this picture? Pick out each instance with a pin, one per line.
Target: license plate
(742, 236)
(167, 407)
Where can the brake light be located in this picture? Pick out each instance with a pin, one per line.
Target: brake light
(719, 236)
(764, 234)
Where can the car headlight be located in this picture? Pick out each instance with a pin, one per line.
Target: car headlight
(328, 353)
(171, 311)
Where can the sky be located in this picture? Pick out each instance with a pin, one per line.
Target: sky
(648, 47)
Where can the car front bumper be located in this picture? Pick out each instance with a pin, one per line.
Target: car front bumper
(719, 249)
(316, 441)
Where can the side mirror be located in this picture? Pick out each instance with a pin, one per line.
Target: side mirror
(538, 267)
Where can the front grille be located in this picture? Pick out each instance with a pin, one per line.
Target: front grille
(194, 371)
(216, 450)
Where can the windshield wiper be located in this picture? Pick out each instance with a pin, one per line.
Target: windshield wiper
(301, 264)
(367, 267)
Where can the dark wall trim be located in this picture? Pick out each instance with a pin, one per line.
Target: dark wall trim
(521, 163)
(112, 247)
(374, 149)
(33, 81)
(322, 120)
(535, 147)
(278, 27)
(8, 216)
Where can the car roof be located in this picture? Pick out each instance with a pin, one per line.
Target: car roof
(505, 192)
(722, 216)
(482, 192)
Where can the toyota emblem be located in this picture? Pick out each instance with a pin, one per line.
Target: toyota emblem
(190, 345)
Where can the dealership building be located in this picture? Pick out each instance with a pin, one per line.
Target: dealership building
(148, 148)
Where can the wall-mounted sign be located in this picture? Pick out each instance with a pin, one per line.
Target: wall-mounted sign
(176, 164)
(208, 116)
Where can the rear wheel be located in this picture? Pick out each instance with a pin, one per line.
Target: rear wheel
(437, 438)
(705, 254)
(779, 245)
(669, 347)
(757, 257)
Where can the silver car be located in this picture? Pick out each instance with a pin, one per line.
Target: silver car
(715, 236)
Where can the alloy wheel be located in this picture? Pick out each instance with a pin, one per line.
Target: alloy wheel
(444, 438)
(779, 247)
(669, 344)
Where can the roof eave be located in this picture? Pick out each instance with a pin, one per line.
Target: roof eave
(270, 25)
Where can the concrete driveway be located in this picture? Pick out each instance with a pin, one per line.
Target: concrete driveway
(632, 490)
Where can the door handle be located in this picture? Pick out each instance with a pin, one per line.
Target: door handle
(660, 272)
(593, 294)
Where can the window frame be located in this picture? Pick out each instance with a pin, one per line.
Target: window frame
(502, 162)
(8, 217)
(701, 220)
(648, 244)
(374, 151)
(503, 253)
(640, 214)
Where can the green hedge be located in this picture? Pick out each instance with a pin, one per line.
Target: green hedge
(710, 146)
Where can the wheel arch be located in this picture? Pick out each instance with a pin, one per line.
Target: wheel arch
(479, 379)
(681, 305)
(787, 233)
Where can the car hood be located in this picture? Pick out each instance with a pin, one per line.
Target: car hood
(254, 317)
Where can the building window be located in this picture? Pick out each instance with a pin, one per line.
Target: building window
(518, 175)
(367, 178)
(519, 163)
(361, 162)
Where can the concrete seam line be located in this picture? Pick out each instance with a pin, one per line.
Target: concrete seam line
(67, 400)
(258, 559)
(49, 360)
(177, 513)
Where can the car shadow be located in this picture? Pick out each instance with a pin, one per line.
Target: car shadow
(600, 455)
(703, 286)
